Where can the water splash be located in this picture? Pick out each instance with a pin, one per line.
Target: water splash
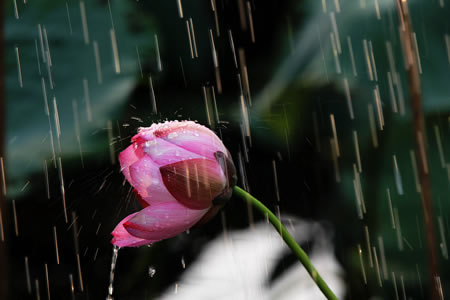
(111, 273)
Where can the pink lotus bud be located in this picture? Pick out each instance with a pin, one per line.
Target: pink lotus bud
(182, 174)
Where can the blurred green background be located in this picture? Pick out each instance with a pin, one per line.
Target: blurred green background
(298, 67)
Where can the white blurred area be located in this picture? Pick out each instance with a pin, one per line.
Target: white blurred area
(237, 265)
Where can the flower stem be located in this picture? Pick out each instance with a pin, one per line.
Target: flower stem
(290, 241)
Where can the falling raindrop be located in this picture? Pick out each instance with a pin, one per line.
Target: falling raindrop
(151, 271)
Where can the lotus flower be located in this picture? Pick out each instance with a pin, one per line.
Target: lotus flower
(181, 173)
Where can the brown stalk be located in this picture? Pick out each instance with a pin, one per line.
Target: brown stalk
(415, 95)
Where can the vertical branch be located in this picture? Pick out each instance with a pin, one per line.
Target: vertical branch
(3, 258)
(415, 95)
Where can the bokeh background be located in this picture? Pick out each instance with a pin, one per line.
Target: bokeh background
(310, 97)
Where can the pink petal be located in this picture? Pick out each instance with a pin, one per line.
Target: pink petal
(194, 182)
(122, 238)
(211, 213)
(128, 157)
(163, 152)
(141, 201)
(192, 137)
(163, 220)
(146, 179)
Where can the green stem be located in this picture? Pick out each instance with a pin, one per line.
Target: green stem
(290, 241)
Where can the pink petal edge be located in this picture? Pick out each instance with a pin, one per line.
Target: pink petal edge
(192, 137)
(163, 220)
(121, 237)
(128, 157)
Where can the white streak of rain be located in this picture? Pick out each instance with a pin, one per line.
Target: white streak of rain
(77, 129)
(250, 21)
(242, 16)
(439, 145)
(357, 153)
(194, 40)
(47, 48)
(216, 111)
(395, 286)
(324, 6)
(180, 9)
(84, 22)
(27, 274)
(115, 50)
(352, 57)
(80, 276)
(98, 65)
(191, 48)
(158, 54)
(38, 293)
(47, 281)
(216, 16)
(383, 258)
(443, 243)
(376, 94)
(349, 99)
(41, 43)
(392, 93)
(62, 188)
(19, 68)
(182, 72)
(377, 266)
(369, 247)
(206, 98)
(47, 183)
(361, 261)
(335, 32)
(139, 62)
(335, 160)
(68, 19)
(335, 137)
(416, 50)
(16, 10)
(244, 142)
(368, 62)
(397, 176)
(377, 10)
(275, 179)
(412, 155)
(335, 53)
(403, 287)
(244, 73)
(2, 169)
(359, 192)
(391, 210)
(37, 57)
(447, 45)
(373, 130)
(152, 95)
(419, 279)
(55, 237)
(233, 50)
(398, 230)
(72, 287)
(16, 223)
